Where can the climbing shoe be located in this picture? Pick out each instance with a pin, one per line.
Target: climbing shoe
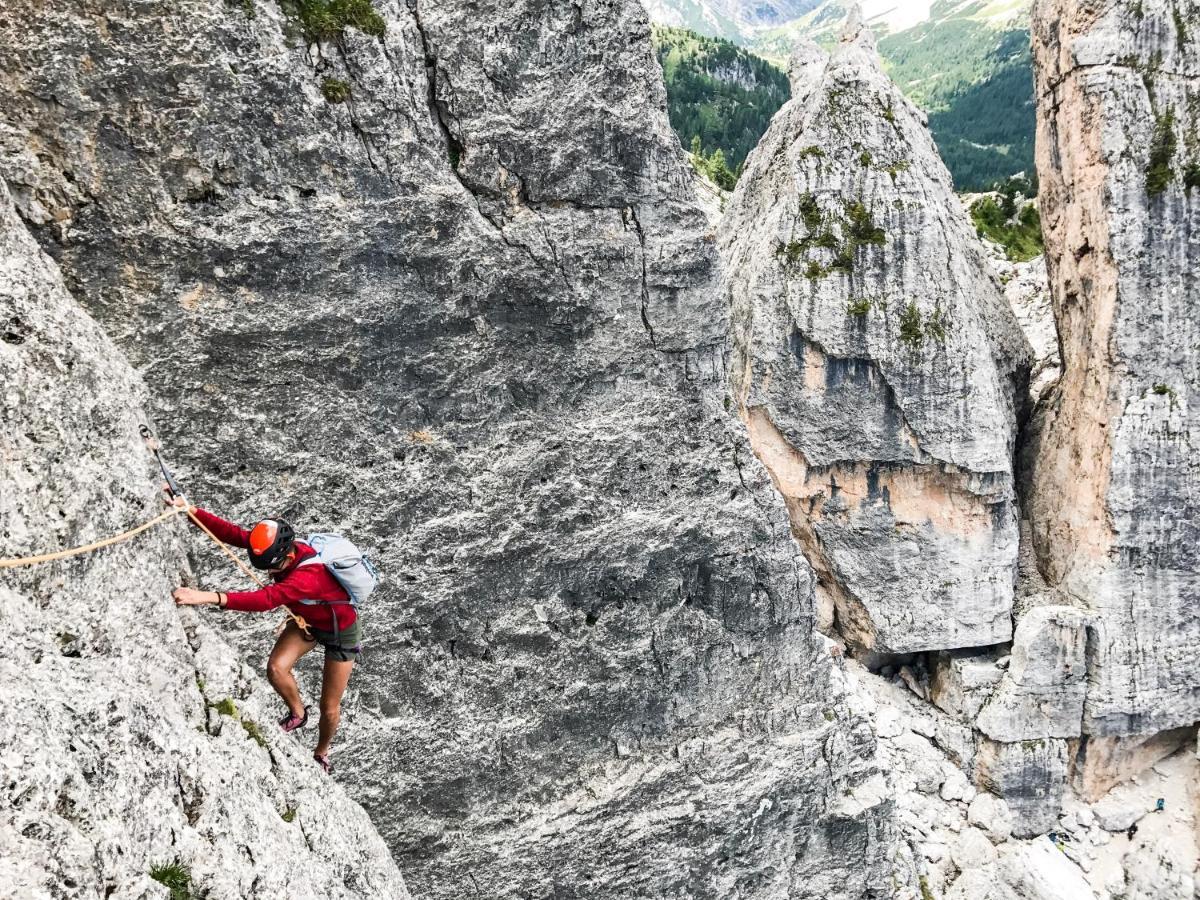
(291, 722)
(324, 763)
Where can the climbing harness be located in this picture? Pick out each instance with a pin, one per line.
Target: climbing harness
(173, 489)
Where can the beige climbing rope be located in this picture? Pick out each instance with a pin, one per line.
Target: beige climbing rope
(88, 548)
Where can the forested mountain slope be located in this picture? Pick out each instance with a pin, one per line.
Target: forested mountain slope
(718, 92)
(967, 64)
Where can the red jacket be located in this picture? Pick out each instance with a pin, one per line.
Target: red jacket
(297, 583)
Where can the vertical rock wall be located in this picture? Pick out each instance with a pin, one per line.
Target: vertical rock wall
(1115, 482)
(876, 363)
(114, 756)
(468, 316)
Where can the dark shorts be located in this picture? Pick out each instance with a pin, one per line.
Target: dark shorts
(343, 647)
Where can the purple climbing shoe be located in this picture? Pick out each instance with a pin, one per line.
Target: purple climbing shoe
(324, 763)
(291, 722)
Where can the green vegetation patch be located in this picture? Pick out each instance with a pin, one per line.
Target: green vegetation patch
(289, 815)
(1165, 390)
(936, 325)
(226, 707)
(861, 226)
(1015, 227)
(713, 165)
(246, 6)
(251, 728)
(175, 877)
(325, 20)
(910, 326)
(1162, 150)
(860, 306)
(335, 90)
(915, 330)
(842, 235)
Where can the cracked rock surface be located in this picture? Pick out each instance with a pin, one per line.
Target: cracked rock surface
(113, 757)
(1113, 496)
(469, 317)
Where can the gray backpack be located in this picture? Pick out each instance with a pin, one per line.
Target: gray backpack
(346, 563)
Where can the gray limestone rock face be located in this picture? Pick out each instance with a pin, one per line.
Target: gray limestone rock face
(468, 317)
(961, 683)
(876, 363)
(1030, 775)
(1028, 293)
(113, 755)
(1113, 494)
(1104, 762)
(1042, 692)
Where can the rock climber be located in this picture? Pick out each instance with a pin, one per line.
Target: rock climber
(333, 620)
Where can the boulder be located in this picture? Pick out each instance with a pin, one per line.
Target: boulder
(992, 815)
(1042, 692)
(962, 682)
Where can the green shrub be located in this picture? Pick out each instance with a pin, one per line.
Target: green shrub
(175, 877)
(335, 90)
(810, 212)
(861, 226)
(859, 307)
(1162, 151)
(325, 20)
(246, 6)
(935, 325)
(1020, 236)
(910, 326)
(791, 251)
(865, 159)
(812, 150)
(289, 816)
(713, 165)
(815, 271)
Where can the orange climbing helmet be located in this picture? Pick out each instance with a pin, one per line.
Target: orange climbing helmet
(270, 542)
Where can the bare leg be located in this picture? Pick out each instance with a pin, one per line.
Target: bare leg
(333, 685)
(290, 646)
